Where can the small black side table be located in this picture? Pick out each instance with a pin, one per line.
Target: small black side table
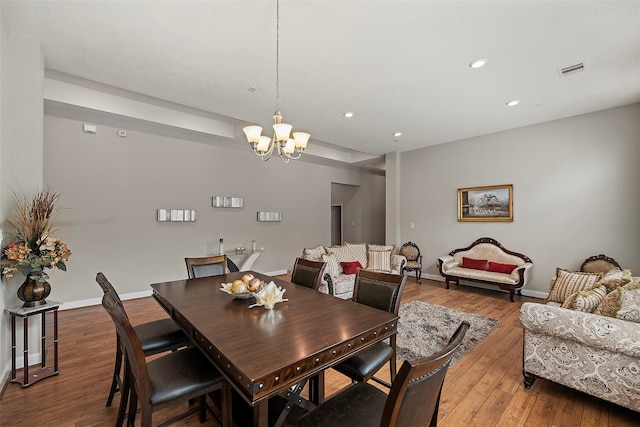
(44, 371)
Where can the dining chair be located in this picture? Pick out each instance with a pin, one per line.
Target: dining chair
(308, 273)
(411, 252)
(413, 399)
(155, 337)
(206, 266)
(175, 377)
(382, 291)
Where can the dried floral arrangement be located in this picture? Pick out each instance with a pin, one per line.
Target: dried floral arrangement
(33, 248)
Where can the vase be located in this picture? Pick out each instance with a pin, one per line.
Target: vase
(33, 293)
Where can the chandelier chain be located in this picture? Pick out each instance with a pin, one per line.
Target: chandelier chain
(278, 57)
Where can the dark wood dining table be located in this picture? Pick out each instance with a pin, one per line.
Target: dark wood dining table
(263, 353)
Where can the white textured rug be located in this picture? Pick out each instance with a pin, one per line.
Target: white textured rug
(425, 328)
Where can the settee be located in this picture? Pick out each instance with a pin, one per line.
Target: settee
(591, 340)
(344, 260)
(487, 261)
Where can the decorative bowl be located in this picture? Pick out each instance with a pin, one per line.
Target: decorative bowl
(226, 287)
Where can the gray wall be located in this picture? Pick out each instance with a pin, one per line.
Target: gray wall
(112, 186)
(575, 192)
(21, 79)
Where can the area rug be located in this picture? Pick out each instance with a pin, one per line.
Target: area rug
(425, 329)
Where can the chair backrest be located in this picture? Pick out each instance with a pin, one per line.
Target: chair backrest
(415, 395)
(206, 266)
(132, 346)
(379, 290)
(308, 273)
(410, 251)
(107, 287)
(599, 264)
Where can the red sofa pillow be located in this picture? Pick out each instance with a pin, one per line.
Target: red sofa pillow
(351, 267)
(501, 268)
(476, 264)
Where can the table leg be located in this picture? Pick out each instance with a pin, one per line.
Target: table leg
(25, 354)
(55, 341)
(13, 348)
(261, 414)
(43, 340)
(316, 388)
(226, 409)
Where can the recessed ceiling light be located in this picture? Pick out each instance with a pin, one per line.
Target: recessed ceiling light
(396, 134)
(478, 63)
(252, 89)
(513, 103)
(348, 114)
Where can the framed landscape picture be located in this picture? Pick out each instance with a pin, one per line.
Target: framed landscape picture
(492, 203)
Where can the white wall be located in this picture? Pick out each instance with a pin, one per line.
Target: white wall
(21, 80)
(575, 192)
(112, 186)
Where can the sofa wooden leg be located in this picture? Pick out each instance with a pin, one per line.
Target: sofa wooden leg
(511, 293)
(529, 379)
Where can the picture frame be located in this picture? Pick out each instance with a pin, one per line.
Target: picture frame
(492, 203)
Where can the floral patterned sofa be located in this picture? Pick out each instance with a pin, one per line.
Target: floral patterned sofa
(591, 340)
(343, 262)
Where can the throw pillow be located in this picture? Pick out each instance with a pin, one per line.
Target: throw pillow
(313, 254)
(358, 252)
(351, 267)
(333, 268)
(497, 267)
(622, 303)
(587, 300)
(475, 264)
(381, 248)
(568, 282)
(380, 261)
(342, 253)
(616, 278)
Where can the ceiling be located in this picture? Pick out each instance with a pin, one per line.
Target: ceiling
(399, 66)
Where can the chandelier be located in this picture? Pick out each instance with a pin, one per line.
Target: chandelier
(264, 146)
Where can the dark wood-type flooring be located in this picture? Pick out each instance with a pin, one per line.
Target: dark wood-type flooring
(483, 389)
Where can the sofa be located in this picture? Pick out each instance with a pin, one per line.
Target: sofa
(343, 262)
(591, 340)
(487, 261)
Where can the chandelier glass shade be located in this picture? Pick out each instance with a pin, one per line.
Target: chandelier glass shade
(290, 146)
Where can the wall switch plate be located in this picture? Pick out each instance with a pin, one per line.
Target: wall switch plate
(87, 128)
(413, 225)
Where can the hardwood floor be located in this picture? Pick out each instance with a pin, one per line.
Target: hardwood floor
(484, 388)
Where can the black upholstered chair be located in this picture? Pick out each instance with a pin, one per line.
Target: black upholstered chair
(178, 376)
(308, 273)
(411, 252)
(382, 291)
(413, 399)
(155, 337)
(207, 266)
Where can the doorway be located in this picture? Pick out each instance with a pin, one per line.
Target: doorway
(336, 225)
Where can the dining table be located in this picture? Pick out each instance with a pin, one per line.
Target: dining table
(263, 353)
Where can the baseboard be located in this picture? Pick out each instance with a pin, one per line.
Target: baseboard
(525, 292)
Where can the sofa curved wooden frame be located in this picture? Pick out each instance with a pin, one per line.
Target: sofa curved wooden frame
(512, 289)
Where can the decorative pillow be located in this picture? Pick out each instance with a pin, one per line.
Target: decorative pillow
(496, 267)
(358, 251)
(333, 268)
(380, 261)
(342, 253)
(615, 278)
(587, 300)
(351, 267)
(313, 254)
(381, 248)
(622, 303)
(475, 264)
(568, 282)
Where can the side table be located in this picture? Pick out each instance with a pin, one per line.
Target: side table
(44, 371)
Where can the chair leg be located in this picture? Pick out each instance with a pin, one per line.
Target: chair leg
(116, 374)
(133, 408)
(418, 275)
(203, 408)
(124, 396)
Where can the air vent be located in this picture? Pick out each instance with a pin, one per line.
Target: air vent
(571, 69)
